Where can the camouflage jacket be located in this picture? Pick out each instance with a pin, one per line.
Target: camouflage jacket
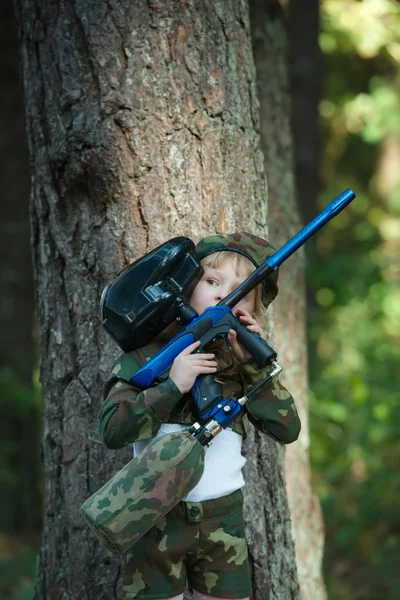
(130, 414)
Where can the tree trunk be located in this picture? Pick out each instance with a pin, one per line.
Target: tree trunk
(143, 124)
(304, 84)
(305, 90)
(270, 53)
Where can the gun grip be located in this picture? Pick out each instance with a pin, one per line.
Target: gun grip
(206, 393)
(260, 350)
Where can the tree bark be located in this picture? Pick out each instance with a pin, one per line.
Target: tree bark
(271, 58)
(143, 124)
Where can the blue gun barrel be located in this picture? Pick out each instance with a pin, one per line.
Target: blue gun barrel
(274, 261)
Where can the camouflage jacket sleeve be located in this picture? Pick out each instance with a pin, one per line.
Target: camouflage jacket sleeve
(272, 409)
(130, 414)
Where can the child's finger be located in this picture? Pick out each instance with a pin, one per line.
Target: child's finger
(248, 321)
(254, 328)
(189, 349)
(232, 339)
(251, 320)
(237, 350)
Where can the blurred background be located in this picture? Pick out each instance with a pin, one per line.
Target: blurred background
(354, 327)
(353, 273)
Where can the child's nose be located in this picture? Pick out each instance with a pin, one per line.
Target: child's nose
(221, 294)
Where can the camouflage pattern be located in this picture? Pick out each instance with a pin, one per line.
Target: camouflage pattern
(202, 542)
(151, 484)
(256, 249)
(130, 414)
(148, 487)
(272, 409)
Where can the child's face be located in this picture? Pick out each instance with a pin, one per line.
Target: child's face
(216, 284)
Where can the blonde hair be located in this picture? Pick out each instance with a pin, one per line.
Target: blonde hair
(242, 267)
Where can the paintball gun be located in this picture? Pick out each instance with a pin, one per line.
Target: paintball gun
(148, 295)
(142, 300)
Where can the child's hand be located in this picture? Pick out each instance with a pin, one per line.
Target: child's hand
(187, 367)
(238, 350)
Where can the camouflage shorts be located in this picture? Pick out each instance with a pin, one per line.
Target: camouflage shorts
(201, 544)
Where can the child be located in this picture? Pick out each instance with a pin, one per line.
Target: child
(201, 541)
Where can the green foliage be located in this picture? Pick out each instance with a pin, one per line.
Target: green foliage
(354, 408)
(17, 567)
(20, 408)
(15, 394)
(18, 403)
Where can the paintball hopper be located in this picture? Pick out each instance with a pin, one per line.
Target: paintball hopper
(148, 487)
(147, 295)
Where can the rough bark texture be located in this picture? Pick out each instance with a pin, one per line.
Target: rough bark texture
(270, 52)
(142, 121)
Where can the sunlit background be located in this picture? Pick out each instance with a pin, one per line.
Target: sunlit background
(355, 332)
(354, 323)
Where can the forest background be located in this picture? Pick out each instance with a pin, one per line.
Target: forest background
(353, 317)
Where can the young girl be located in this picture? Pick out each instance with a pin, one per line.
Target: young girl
(201, 542)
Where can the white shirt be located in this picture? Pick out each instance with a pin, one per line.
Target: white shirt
(223, 464)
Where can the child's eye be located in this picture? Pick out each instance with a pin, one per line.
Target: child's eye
(212, 281)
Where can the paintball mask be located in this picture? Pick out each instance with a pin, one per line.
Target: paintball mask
(148, 295)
